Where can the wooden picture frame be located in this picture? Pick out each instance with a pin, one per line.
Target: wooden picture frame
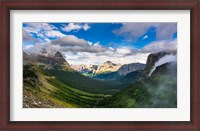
(192, 5)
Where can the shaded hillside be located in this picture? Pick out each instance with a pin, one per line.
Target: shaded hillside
(78, 81)
(156, 91)
(108, 76)
(169, 69)
(132, 77)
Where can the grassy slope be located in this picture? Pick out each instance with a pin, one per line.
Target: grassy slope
(62, 89)
(58, 88)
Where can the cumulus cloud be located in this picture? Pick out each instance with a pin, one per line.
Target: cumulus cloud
(70, 40)
(91, 58)
(43, 31)
(35, 27)
(132, 31)
(75, 27)
(27, 37)
(86, 27)
(123, 51)
(35, 49)
(81, 51)
(90, 43)
(54, 34)
(158, 46)
(72, 43)
(120, 55)
(84, 53)
(165, 30)
(98, 54)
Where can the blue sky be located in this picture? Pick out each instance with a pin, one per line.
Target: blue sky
(97, 38)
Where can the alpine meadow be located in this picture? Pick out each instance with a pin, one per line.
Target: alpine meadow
(99, 65)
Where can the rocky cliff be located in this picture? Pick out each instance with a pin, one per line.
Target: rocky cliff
(127, 68)
(55, 61)
(153, 58)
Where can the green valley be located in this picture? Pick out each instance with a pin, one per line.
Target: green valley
(50, 82)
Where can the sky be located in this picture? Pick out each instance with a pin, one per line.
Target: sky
(96, 43)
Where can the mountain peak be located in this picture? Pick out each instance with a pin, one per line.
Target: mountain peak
(58, 54)
(108, 63)
(56, 61)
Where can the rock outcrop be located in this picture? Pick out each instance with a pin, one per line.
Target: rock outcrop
(127, 68)
(153, 58)
(56, 61)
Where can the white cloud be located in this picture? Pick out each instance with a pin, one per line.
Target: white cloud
(81, 51)
(122, 55)
(70, 40)
(165, 30)
(35, 49)
(111, 48)
(123, 51)
(75, 27)
(27, 37)
(97, 43)
(145, 37)
(158, 46)
(132, 31)
(98, 54)
(43, 30)
(84, 53)
(91, 58)
(71, 26)
(72, 43)
(26, 47)
(86, 27)
(54, 34)
(90, 43)
(36, 27)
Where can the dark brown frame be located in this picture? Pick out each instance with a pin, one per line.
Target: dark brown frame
(192, 5)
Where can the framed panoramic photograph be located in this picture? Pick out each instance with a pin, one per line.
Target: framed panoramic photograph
(100, 65)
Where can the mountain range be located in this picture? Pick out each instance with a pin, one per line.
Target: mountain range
(108, 70)
(50, 81)
(104, 68)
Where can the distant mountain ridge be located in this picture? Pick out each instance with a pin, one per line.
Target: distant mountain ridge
(106, 67)
(85, 68)
(108, 70)
(128, 68)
